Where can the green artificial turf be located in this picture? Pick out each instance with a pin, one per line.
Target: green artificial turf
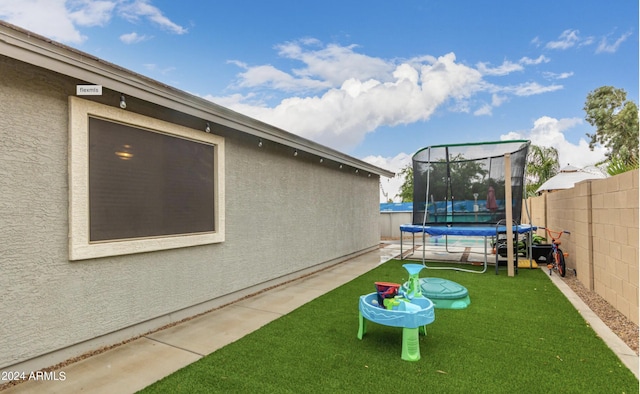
(519, 335)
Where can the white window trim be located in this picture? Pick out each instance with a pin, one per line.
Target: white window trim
(80, 247)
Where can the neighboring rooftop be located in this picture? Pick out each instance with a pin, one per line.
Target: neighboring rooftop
(568, 177)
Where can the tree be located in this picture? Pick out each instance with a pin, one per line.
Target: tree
(617, 166)
(542, 164)
(406, 190)
(455, 179)
(616, 123)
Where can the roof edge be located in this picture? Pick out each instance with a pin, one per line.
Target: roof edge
(40, 51)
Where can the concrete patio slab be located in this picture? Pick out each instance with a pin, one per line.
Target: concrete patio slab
(207, 333)
(123, 369)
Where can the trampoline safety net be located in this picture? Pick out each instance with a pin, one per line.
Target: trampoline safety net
(464, 184)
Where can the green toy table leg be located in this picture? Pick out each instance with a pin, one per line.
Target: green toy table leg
(362, 325)
(410, 344)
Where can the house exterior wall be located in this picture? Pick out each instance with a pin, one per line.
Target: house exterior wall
(602, 216)
(285, 215)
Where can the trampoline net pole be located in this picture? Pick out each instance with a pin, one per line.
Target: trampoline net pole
(426, 196)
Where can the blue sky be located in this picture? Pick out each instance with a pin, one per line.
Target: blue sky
(375, 79)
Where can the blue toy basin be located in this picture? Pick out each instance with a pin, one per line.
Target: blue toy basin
(409, 318)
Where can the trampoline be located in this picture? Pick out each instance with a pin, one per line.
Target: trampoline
(466, 231)
(461, 189)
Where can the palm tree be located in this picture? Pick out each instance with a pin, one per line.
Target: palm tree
(542, 164)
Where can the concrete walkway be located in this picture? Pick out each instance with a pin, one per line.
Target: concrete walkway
(139, 363)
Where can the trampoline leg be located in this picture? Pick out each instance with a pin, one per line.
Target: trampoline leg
(413, 244)
(410, 344)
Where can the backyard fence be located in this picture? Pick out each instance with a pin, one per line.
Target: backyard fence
(602, 216)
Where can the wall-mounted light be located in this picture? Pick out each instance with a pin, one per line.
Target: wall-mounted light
(260, 143)
(208, 128)
(369, 175)
(123, 103)
(295, 152)
(321, 160)
(357, 171)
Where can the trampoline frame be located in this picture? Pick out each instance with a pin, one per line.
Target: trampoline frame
(471, 231)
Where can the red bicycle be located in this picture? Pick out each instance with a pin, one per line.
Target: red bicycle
(555, 260)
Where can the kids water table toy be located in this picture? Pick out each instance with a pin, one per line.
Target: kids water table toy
(409, 310)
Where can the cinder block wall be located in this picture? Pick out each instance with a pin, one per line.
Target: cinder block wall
(602, 216)
(615, 241)
(537, 211)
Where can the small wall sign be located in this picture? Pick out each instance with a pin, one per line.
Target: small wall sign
(89, 90)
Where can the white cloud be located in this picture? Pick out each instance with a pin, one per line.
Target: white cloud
(497, 100)
(484, 110)
(61, 20)
(343, 115)
(549, 132)
(505, 68)
(606, 47)
(270, 77)
(49, 18)
(531, 62)
(339, 95)
(530, 88)
(90, 13)
(390, 187)
(334, 63)
(487, 109)
(133, 11)
(133, 37)
(550, 75)
(536, 41)
(567, 39)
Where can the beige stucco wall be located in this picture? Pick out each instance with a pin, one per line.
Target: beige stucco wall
(284, 215)
(602, 216)
(390, 223)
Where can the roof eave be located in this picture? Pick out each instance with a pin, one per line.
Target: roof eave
(34, 49)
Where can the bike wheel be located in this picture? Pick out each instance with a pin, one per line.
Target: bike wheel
(551, 262)
(562, 268)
